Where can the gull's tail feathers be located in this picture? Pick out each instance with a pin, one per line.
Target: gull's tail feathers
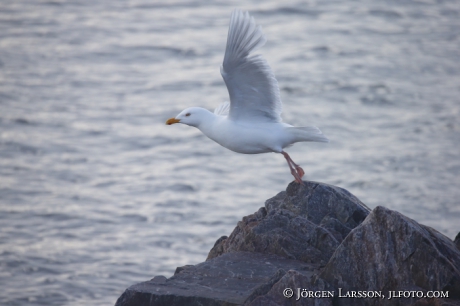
(308, 133)
(244, 36)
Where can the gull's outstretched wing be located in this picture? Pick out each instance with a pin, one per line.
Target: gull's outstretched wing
(222, 110)
(251, 84)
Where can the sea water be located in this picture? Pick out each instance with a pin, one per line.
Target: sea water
(97, 193)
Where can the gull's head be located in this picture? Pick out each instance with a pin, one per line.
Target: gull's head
(192, 116)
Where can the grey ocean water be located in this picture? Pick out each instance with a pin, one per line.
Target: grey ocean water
(96, 193)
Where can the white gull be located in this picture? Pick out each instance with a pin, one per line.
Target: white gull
(251, 122)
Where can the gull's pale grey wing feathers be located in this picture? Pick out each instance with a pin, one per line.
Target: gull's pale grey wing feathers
(251, 84)
(222, 110)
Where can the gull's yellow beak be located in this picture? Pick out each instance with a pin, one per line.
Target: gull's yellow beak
(172, 121)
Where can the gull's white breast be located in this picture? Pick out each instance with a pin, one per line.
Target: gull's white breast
(248, 137)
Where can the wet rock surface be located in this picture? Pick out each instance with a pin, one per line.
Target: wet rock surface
(321, 242)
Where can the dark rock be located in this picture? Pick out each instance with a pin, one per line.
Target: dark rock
(159, 279)
(230, 279)
(317, 294)
(436, 302)
(321, 202)
(306, 223)
(457, 241)
(217, 249)
(180, 269)
(389, 251)
(319, 238)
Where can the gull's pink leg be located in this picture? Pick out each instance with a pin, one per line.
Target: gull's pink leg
(297, 172)
(297, 167)
(300, 171)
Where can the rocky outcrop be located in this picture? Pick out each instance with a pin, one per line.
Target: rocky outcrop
(390, 252)
(306, 223)
(457, 241)
(231, 279)
(326, 246)
(320, 292)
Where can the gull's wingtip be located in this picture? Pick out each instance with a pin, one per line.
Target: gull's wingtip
(244, 36)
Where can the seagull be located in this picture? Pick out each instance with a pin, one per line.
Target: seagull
(250, 123)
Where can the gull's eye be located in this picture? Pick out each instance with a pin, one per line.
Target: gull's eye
(187, 114)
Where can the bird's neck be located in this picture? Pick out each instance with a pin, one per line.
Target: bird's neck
(207, 125)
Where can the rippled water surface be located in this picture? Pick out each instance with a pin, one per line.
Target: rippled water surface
(96, 193)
